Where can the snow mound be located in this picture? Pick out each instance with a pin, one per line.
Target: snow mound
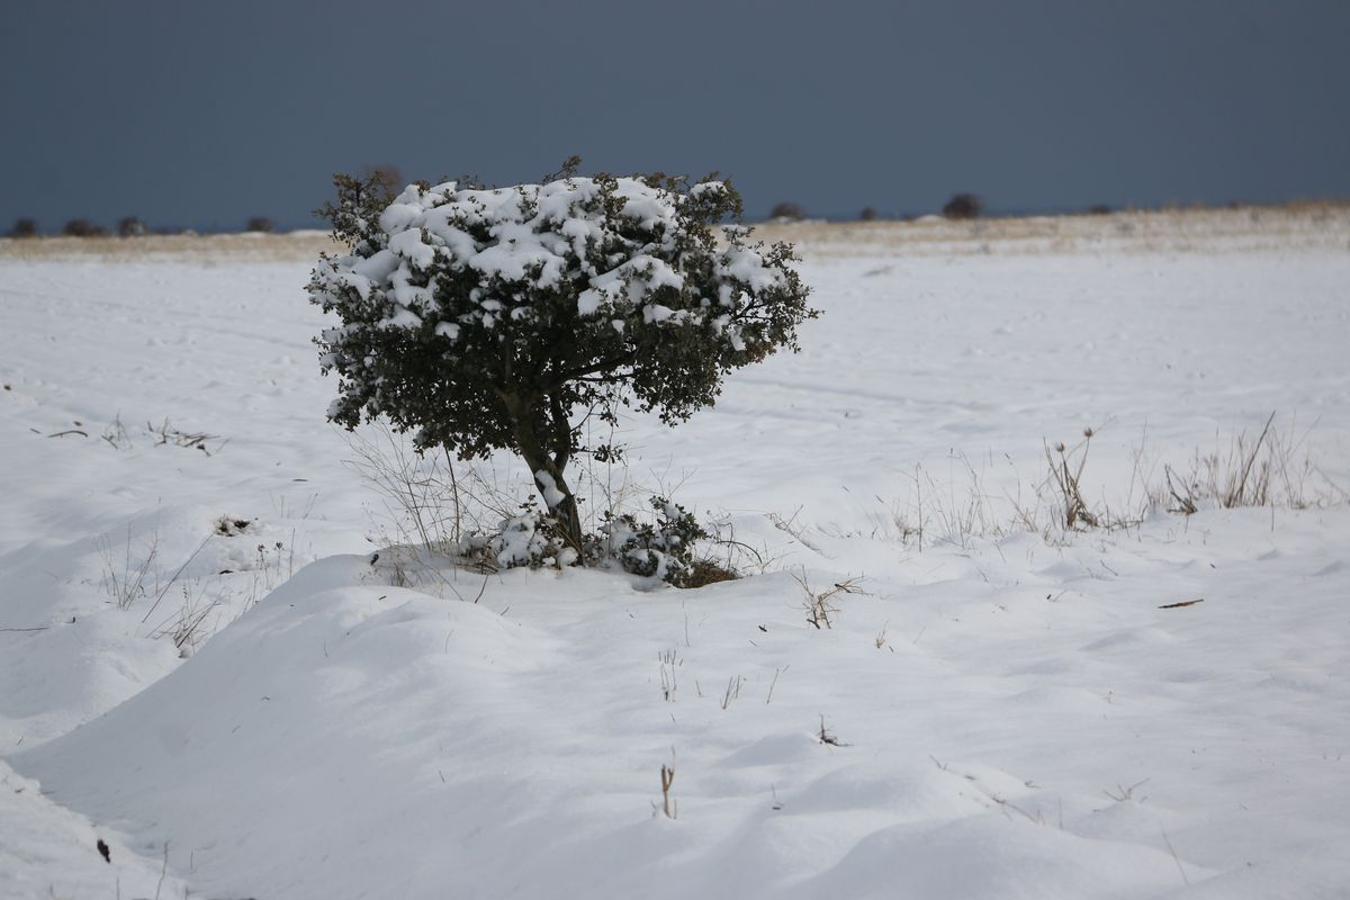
(330, 696)
(349, 738)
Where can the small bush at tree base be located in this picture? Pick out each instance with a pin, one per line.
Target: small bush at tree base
(963, 206)
(529, 539)
(482, 320)
(662, 549)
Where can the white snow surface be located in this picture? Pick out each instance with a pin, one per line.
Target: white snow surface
(1008, 715)
(48, 851)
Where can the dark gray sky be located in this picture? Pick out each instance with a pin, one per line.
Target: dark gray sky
(202, 114)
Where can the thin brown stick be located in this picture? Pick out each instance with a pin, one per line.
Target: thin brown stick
(1182, 603)
(667, 804)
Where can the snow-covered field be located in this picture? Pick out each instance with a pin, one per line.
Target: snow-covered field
(201, 666)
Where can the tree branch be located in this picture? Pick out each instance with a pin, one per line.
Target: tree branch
(603, 365)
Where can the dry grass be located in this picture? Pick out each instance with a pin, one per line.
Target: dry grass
(124, 579)
(1066, 474)
(821, 606)
(1271, 467)
(1306, 224)
(293, 247)
(708, 571)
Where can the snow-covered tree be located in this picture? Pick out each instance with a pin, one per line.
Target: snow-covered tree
(482, 319)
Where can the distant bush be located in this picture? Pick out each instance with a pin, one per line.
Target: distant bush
(82, 228)
(260, 225)
(24, 228)
(131, 227)
(790, 211)
(868, 215)
(1099, 209)
(963, 206)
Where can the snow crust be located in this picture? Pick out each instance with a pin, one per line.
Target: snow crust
(1010, 716)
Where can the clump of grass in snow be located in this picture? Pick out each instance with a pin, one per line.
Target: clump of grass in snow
(821, 606)
(1269, 468)
(125, 580)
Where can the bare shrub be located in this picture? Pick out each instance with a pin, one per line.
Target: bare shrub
(731, 555)
(868, 214)
(791, 212)
(429, 499)
(24, 228)
(820, 605)
(260, 225)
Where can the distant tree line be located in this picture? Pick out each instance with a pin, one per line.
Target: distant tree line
(961, 206)
(388, 179)
(127, 227)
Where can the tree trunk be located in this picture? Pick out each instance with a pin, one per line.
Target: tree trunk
(557, 496)
(547, 471)
(567, 513)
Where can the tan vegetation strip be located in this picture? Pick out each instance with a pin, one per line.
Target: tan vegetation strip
(1301, 226)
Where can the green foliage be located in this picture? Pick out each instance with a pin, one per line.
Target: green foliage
(662, 549)
(482, 320)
